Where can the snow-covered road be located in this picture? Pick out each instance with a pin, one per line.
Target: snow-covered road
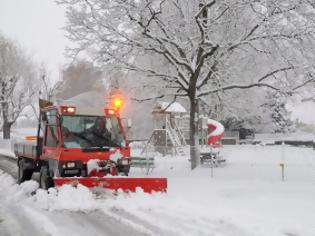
(20, 216)
(9, 165)
(246, 197)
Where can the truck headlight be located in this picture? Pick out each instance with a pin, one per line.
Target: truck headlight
(69, 164)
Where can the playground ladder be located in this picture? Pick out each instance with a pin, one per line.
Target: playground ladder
(175, 139)
(180, 134)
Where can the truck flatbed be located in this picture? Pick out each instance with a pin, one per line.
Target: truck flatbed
(26, 149)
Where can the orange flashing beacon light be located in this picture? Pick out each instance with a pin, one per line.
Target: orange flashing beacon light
(117, 103)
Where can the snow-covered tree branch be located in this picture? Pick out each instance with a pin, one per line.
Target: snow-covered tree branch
(16, 83)
(207, 46)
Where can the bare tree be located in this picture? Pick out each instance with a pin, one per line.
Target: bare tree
(208, 45)
(16, 80)
(48, 88)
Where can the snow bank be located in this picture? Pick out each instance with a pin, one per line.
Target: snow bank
(16, 192)
(66, 198)
(7, 152)
(5, 180)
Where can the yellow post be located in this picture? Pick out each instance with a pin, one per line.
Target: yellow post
(282, 170)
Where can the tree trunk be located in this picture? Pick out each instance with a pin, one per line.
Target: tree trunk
(6, 126)
(194, 147)
(6, 129)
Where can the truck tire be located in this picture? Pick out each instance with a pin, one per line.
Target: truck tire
(23, 174)
(45, 181)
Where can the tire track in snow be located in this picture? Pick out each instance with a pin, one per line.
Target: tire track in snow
(24, 219)
(19, 223)
(172, 221)
(152, 226)
(67, 223)
(107, 224)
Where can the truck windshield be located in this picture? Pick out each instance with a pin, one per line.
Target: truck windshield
(91, 131)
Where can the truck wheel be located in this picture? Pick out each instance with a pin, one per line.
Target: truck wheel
(45, 181)
(23, 174)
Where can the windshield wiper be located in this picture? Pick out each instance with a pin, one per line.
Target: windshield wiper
(111, 142)
(108, 139)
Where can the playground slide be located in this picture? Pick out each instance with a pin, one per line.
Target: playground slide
(217, 131)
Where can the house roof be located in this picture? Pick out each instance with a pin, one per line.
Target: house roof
(166, 107)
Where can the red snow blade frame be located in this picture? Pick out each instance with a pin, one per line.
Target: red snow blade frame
(125, 183)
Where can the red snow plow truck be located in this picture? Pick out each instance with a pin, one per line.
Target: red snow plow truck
(81, 145)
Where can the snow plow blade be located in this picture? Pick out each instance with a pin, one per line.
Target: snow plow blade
(125, 183)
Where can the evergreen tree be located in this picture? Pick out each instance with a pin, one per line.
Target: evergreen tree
(279, 114)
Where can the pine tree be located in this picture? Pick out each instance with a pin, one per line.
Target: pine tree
(279, 114)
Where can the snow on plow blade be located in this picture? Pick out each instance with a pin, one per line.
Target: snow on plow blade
(125, 183)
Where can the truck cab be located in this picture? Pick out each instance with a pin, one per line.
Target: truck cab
(75, 142)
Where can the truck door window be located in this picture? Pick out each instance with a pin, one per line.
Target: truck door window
(51, 129)
(52, 117)
(52, 136)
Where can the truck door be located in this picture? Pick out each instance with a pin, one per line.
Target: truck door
(51, 149)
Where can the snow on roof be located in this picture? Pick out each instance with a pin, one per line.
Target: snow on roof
(175, 107)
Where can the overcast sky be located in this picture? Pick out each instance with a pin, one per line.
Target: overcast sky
(37, 26)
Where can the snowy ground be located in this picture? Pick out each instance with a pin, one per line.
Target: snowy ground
(248, 193)
(244, 197)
